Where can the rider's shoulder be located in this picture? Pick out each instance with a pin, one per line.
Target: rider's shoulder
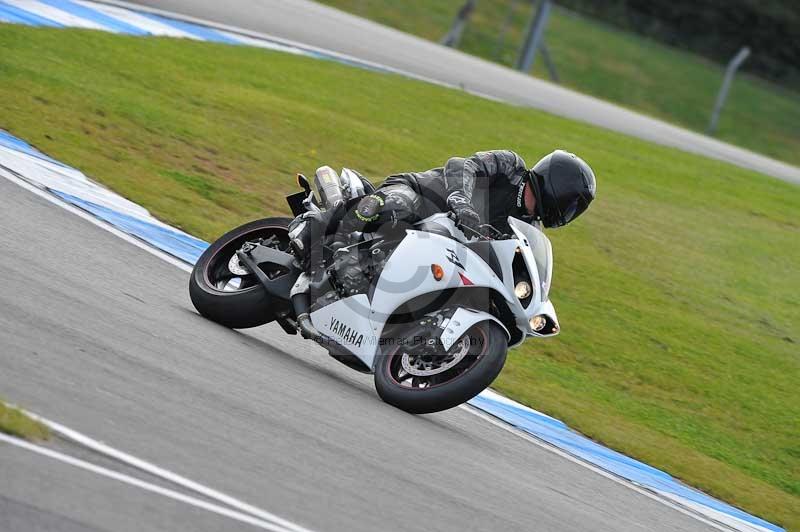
(504, 155)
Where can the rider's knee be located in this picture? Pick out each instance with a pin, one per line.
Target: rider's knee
(402, 203)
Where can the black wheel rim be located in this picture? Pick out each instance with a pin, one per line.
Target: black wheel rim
(218, 275)
(426, 357)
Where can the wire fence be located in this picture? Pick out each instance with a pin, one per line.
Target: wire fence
(585, 53)
(600, 59)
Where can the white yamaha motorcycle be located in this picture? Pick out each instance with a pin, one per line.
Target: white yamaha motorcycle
(432, 318)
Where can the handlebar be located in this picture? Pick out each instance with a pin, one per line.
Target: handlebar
(480, 234)
(486, 232)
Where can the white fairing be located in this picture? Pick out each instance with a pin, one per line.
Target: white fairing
(347, 321)
(538, 255)
(407, 274)
(460, 323)
(357, 322)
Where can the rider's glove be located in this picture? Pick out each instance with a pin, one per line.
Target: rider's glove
(464, 211)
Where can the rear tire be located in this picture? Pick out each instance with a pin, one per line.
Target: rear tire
(485, 367)
(242, 308)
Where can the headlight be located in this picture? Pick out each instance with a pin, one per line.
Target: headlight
(538, 322)
(522, 290)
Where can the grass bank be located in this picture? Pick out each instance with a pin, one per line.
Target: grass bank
(14, 422)
(677, 292)
(614, 65)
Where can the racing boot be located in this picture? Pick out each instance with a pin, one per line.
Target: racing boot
(307, 231)
(301, 236)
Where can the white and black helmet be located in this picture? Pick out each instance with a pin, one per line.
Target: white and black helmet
(564, 186)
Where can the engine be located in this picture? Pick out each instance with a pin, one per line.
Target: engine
(358, 267)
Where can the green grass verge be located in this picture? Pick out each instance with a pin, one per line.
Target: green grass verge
(621, 67)
(677, 292)
(14, 422)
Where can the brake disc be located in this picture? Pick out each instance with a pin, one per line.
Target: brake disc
(236, 267)
(418, 366)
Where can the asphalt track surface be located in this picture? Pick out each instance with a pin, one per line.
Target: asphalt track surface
(99, 335)
(313, 24)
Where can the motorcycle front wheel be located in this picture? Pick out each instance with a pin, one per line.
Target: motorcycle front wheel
(421, 377)
(222, 290)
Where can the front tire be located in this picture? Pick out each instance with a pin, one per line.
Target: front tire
(400, 379)
(235, 301)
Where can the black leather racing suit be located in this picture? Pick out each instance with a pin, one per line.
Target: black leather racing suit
(492, 181)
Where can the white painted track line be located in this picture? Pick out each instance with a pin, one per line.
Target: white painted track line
(102, 448)
(132, 481)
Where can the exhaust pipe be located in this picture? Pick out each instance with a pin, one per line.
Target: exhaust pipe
(300, 304)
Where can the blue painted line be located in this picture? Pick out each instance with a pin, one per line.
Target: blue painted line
(558, 434)
(181, 245)
(201, 32)
(10, 141)
(177, 243)
(20, 16)
(95, 16)
(7, 16)
(14, 143)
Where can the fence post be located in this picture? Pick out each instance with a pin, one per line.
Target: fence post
(501, 39)
(733, 66)
(534, 36)
(453, 36)
(548, 62)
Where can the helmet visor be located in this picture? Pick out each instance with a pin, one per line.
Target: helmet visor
(569, 212)
(573, 209)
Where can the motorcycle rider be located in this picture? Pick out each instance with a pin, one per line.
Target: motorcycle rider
(486, 187)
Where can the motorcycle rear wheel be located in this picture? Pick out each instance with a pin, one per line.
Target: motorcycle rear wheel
(235, 301)
(400, 384)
